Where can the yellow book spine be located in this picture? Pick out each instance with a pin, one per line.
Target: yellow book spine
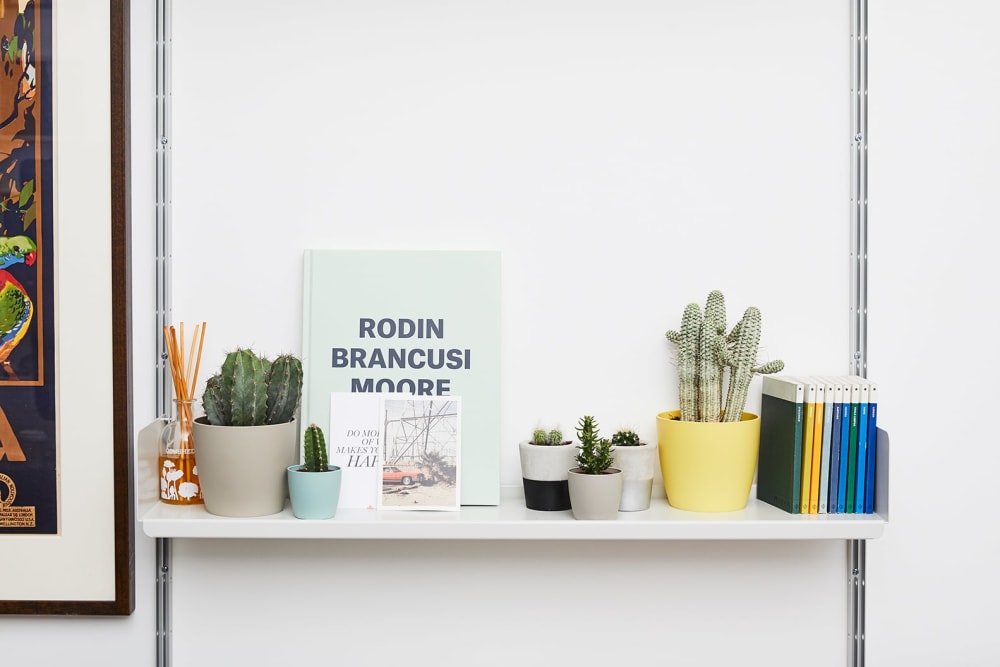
(808, 417)
(817, 458)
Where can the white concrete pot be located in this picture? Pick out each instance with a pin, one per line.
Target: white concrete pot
(544, 472)
(638, 465)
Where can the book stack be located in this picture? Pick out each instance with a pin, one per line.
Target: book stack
(817, 444)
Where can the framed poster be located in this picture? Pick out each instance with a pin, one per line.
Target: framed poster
(66, 510)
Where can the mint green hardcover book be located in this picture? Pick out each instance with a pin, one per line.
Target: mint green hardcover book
(418, 322)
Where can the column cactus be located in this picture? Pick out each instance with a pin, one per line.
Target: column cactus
(688, 340)
(740, 356)
(316, 458)
(284, 389)
(705, 351)
(249, 390)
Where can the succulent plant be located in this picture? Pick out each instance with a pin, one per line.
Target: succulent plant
(705, 351)
(595, 452)
(540, 436)
(249, 390)
(315, 450)
(625, 437)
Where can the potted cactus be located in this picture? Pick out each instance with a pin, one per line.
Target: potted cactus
(247, 438)
(595, 487)
(637, 461)
(314, 486)
(708, 448)
(545, 462)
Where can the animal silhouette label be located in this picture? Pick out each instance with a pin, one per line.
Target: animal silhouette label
(179, 484)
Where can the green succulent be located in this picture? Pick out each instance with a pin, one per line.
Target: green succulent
(595, 452)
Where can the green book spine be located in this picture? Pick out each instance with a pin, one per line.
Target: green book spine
(780, 458)
(852, 458)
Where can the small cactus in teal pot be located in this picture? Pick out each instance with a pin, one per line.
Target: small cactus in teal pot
(705, 351)
(250, 390)
(315, 454)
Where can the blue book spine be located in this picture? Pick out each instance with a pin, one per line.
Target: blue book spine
(862, 461)
(872, 449)
(845, 439)
(835, 458)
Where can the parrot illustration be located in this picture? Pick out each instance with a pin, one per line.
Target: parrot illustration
(16, 308)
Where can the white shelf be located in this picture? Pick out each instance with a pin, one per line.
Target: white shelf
(512, 521)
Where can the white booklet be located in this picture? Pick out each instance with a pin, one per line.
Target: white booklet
(354, 446)
(420, 450)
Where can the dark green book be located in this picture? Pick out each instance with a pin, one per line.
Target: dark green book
(779, 464)
(852, 446)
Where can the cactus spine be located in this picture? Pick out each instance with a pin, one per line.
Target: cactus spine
(249, 390)
(705, 351)
(315, 450)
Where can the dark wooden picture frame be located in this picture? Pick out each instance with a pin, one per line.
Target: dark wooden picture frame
(123, 602)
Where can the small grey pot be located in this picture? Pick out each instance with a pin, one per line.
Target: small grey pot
(595, 496)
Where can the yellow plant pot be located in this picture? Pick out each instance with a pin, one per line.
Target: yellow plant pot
(708, 466)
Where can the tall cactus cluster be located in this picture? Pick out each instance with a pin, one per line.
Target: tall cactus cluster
(705, 351)
(250, 390)
(315, 449)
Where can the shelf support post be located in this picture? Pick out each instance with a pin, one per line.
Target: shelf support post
(163, 301)
(859, 294)
(859, 188)
(856, 603)
(163, 602)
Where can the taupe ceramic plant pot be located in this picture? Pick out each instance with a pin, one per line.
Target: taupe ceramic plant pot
(244, 469)
(595, 496)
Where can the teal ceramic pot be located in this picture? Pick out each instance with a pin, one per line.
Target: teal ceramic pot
(314, 495)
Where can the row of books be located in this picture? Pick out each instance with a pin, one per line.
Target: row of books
(817, 444)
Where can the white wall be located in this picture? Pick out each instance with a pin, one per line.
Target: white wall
(933, 305)
(551, 133)
(625, 158)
